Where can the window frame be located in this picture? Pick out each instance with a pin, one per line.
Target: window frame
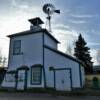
(14, 47)
(40, 78)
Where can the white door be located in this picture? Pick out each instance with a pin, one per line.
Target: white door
(21, 80)
(63, 81)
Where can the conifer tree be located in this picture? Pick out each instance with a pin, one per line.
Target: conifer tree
(81, 52)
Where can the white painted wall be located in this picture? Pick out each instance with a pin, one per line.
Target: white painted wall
(82, 75)
(32, 53)
(49, 42)
(59, 61)
(31, 47)
(6, 83)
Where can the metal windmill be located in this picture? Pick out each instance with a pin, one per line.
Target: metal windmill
(49, 9)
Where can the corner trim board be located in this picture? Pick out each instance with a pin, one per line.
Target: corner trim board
(43, 41)
(80, 75)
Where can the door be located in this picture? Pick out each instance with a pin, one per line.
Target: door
(63, 80)
(21, 80)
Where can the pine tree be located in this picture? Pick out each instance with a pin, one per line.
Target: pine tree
(81, 52)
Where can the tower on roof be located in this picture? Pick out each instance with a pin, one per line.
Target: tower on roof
(35, 24)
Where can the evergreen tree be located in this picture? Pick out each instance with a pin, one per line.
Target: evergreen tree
(81, 52)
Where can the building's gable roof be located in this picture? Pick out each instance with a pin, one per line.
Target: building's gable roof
(28, 32)
(63, 54)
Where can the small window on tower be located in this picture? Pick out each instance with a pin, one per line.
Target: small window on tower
(17, 47)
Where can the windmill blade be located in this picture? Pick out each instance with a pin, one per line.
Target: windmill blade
(57, 11)
(48, 8)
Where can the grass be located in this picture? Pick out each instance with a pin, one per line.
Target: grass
(83, 92)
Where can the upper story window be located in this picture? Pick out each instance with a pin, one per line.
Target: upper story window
(17, 47)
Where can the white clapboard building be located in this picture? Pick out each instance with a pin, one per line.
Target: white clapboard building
(35, 62)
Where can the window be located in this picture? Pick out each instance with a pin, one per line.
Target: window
(17, 47)
(36, 73)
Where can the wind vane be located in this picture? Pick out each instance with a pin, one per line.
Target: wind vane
(49, 9)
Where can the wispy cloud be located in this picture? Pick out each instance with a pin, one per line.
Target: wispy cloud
(82, 15)
(94, 44)
(13, 2)
(20, 6)
(94, 56)
(66, 37)
(24, 6)
(65, 11)
(78, 21)
(61, 27)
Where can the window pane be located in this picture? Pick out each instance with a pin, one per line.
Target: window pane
(17, 47)
(36, 75)
(16, 51)
(17, 43)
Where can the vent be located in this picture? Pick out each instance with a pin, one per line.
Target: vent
(35, 28)
(35, 24)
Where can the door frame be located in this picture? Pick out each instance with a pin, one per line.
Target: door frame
(57, 69)
(25, 79)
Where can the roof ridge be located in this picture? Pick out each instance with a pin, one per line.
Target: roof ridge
(27, 32)
(66, 55)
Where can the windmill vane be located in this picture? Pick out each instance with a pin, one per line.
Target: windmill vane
(49, 9)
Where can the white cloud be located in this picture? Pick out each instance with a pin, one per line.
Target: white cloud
(93, 53)
(66, 32)
(65, 11)
(78, 21)
(81, 18)
(77, 15)
(81, 15)
(16, 22)
(24, 6)
(66, 38)
(61, 27)
(10, 25)
(14, 3)
(13, 24)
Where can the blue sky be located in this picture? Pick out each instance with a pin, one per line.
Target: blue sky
(77, 16)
